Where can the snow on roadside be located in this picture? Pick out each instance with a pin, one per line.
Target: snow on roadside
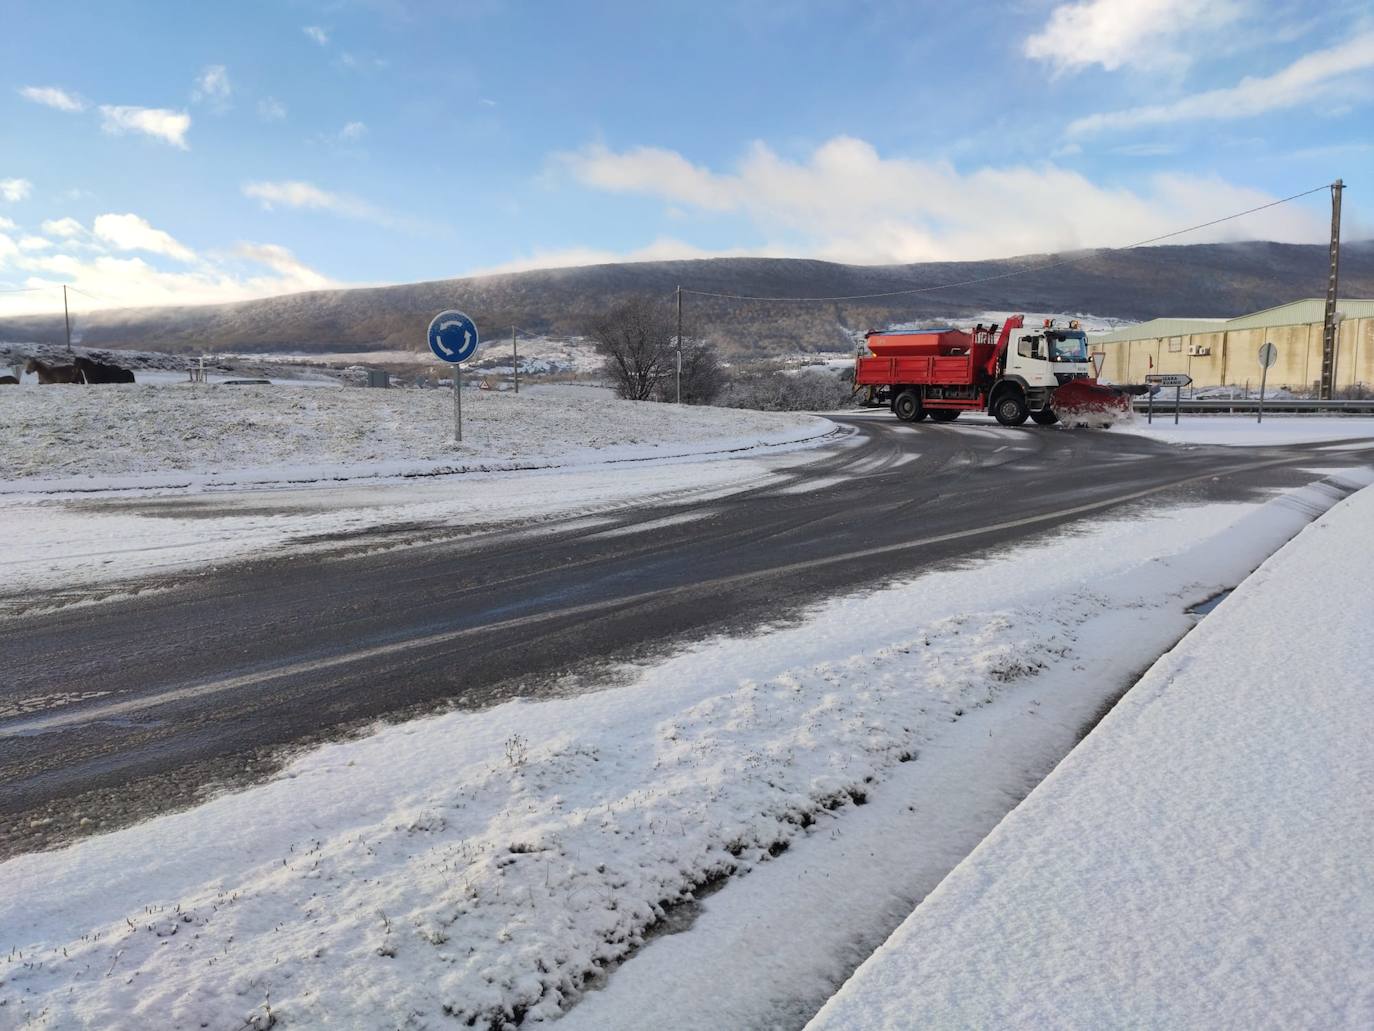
(1243, 430)
(485, 865)
(77, 549)
(77, 438)
(1202, 859)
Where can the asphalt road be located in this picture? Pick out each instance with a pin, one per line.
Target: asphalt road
(209, 684)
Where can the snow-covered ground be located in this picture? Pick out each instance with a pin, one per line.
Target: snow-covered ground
(189, 477)
(1243, 430)
(538, 356)
(487, 867)
(1203, 859)
(1229, 430)
(73, 438)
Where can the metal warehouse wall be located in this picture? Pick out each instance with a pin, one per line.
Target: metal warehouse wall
(1233, 357)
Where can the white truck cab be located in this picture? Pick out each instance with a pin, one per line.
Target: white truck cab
(1049, 356)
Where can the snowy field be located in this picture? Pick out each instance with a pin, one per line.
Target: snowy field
(1202, 859)
(490, 867)
(75, 438)
(191, 477)
(538, 356)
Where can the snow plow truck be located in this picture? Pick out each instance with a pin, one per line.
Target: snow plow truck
(1043, 374)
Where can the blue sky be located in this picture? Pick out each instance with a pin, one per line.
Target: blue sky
(162, 152)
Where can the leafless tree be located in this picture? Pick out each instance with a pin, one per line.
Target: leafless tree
(637, 338)
(703, 376)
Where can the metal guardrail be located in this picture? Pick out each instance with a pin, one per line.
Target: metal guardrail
(1164, 405)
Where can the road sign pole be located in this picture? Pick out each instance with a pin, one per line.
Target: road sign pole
(1150, 408)
(453, 338)
(1178, 394)
(1268, 355)
(515, 359)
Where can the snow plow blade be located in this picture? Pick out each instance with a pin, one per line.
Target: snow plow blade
(1087, 400)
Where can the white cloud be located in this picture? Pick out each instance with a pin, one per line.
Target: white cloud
(129, 232)
(34, 243)
(248, 270)
(308, 196)
(213, 87)
(288, 267)
(319, 35)
(1113, 33)
(1310, 77)
(168, 126)
(67, 228)
(353, 131)
(52, 96)
(6, 223)
(848, 203)
(270, 109)
(15, 189)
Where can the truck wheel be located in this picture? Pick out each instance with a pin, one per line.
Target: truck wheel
(944, 414)
(1045, 417)
(1010, 409)
(907, 406)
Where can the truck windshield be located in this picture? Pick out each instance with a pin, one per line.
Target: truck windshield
(1068, 347)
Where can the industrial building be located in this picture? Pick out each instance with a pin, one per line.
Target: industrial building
(1217, 352)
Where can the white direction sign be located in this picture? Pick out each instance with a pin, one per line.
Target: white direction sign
(1169, 379)
(1268, 355)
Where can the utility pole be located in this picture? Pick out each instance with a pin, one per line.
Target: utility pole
(1330, 339)
(66, 317)
(515, 359)
(679, 344)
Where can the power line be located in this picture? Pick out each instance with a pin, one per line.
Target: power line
(1015, 272)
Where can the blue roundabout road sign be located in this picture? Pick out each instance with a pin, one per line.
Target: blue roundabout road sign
(453, 337)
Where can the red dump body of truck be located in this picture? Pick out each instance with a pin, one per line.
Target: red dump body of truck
(944, 357)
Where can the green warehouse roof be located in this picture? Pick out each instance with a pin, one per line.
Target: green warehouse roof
(1294, 313)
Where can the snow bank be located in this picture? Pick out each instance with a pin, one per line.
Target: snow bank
(485, 866)
(80, 438)
(1202, 859)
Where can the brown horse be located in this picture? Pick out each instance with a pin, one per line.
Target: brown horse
(100, 372)
(7, 380)
(53, 373)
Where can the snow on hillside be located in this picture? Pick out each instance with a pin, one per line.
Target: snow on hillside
(82, 438)
(480, 868)
(1201, 860)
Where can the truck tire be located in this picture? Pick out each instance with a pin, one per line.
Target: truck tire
(907, 406)
(1045, 417)
(944, 414)
(1010, 409)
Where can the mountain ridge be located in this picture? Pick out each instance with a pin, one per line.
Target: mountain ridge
(1224, 279)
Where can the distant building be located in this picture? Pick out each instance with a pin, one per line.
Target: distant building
(1217, 352)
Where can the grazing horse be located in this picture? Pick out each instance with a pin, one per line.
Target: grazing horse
(53, 373)
(5, 380)
(100, 372)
